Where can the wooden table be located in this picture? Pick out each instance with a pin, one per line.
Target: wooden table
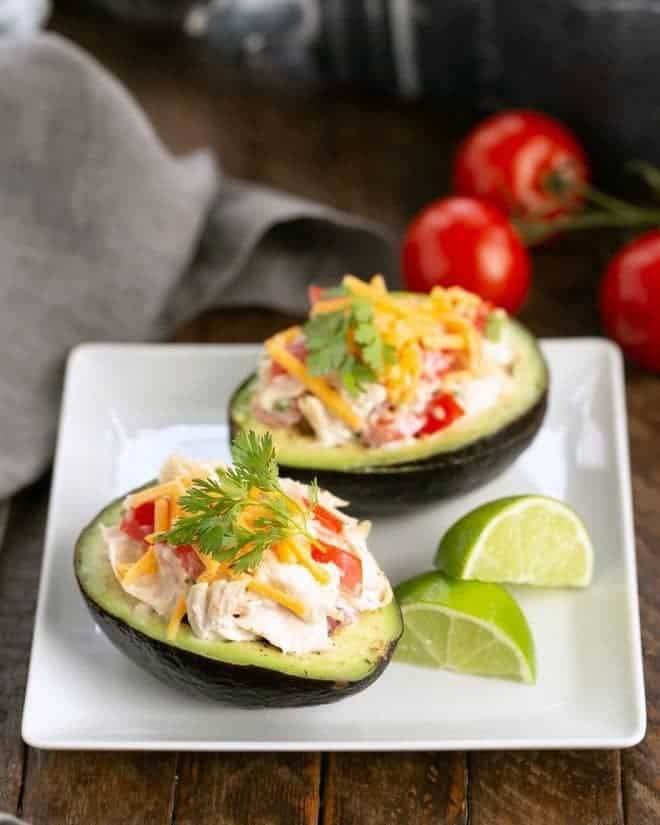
(383, 160)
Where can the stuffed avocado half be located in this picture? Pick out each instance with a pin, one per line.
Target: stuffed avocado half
(240, 586)
(450, 393)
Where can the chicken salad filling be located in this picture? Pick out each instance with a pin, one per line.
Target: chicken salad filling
(240, 554)
(380, 369)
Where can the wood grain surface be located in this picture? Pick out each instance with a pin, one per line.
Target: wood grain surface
(383, 160)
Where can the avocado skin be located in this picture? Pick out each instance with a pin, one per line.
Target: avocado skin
(397, 487)
(241, 686)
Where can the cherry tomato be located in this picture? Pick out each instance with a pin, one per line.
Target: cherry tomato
(441, 412)
(630, 300)
(349, 565)
(190, 560)
(524, 163)
(465, 242)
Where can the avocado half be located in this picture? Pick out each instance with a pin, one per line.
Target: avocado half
(460, 458)
(248, 674)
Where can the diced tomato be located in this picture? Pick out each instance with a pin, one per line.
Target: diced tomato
(138, 532)
(145, 513)
(298, 349)
(276, 369)
(441, 412)
(326, 518)
(333, 624)
(349, 565)
(315, 293)
(388, 427)
(190, 560)
(136, 524)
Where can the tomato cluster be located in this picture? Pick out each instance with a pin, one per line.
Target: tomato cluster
(524, 170)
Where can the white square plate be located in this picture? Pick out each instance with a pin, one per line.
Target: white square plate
(126, 407)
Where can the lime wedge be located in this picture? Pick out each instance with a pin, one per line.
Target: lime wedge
(470, 627)
(521, 540)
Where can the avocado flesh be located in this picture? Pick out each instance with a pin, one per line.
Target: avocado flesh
(471, 452)
(250, 674)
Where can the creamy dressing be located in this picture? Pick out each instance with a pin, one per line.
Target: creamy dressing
(329, 429)
(160, 590)
(481, 393)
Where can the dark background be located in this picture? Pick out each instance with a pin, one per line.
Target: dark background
(593, 63)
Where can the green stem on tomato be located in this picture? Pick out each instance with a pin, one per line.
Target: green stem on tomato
(610, 212)
(533, 232)
(649, 173)
(608, 202)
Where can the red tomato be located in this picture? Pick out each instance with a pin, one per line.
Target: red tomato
(464, 242)
(524, 163)
(190, 560)
(630, 300)
(349, 565)
(138, 522)
(315, 293)
(136, 531)
(441, 412)
(276, 369)
(328, 519)
(145, 513)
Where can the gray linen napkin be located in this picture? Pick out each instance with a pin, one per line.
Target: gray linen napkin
(105, 236)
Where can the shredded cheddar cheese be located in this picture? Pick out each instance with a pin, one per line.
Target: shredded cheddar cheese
(284, 552)
(161, 515)
(176, 618)
(250, 515)
(170, 489)
(302, 556)
(146, 565)
(213, 569)
(275, 595)
(176, 511)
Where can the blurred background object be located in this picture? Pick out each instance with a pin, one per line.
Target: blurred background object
(22, 15)
(593, 64)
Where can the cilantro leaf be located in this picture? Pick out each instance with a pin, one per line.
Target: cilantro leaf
(254, 460)
(214, 507)
(328, 338)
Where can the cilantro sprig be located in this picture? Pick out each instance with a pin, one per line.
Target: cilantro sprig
(347, 342)
(214, 507)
